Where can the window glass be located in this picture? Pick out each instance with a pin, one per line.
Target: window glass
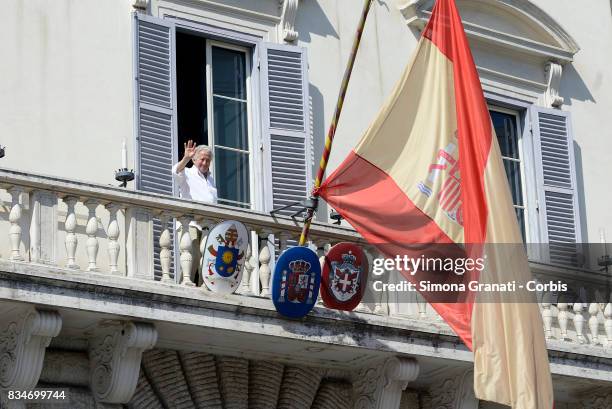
(229, 78)
(232, 177)
(230, 123)
(505, 126)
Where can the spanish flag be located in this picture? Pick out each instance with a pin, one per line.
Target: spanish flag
(429, 170)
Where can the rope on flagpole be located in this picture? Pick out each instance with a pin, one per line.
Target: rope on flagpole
(332, 127)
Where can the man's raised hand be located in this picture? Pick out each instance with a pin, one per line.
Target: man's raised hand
(190, 149)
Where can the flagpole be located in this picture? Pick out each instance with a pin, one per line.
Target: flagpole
(332, 127)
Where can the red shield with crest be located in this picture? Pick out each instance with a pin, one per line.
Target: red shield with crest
(344, 277)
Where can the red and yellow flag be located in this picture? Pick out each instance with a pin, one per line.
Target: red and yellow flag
(429, 170)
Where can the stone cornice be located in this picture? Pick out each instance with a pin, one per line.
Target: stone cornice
(417, 13)
(154, 301)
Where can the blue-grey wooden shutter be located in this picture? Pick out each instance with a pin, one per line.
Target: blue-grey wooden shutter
(286, 125)
(155, 111)
(557, 191)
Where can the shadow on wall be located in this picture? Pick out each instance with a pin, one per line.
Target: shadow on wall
(311, 19)
(580, 189)
(318, 132)
(574, 87)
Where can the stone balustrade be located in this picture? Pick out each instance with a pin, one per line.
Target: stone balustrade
(582, 323)
(108, 230)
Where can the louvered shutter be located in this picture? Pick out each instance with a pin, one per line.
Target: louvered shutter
(286, 125)
(557, 193)
(155, 111)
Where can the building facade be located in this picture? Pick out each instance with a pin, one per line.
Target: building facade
(92, 298)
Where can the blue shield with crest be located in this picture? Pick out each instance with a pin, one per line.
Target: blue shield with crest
(226, 261)
(296, 281)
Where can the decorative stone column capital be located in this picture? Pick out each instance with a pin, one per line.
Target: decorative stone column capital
(381, 386)
(401, 370)
(597, 401)
(140, 5)
(23, 341)
(553, 73)
(115, 353)
(453, 390)
(287, 24)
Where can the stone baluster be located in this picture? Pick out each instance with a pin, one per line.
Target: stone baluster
(594, 322)
(264, 264)
(608, 323)
(71, 237)
(380, 297)
(245, 287)
(373, 298)
(421, 305)
(562, 317)
(254, 283)
(114, 248)
(165, 245)
(207, 226)
(15, 220)
(579, 321)
(283, 237)
(43, 227)
(547, 315)
(186, 252)
(91, 229)
(322, 250)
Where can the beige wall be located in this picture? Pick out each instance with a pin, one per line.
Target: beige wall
(66, 86)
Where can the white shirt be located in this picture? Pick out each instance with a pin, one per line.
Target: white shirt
(194, 185)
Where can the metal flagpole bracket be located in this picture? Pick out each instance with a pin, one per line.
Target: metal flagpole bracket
(307, 204)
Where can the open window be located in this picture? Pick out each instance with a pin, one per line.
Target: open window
(213, 109)
(245, 98)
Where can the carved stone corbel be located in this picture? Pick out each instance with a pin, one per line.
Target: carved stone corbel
(115, 353)
(597, 401)
(287, 24)
(381, 386)
(140, 5)
(455, 392)
(553, 80)
(22, 346)
(410, 10)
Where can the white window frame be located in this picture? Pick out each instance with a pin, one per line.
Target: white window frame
(521, 160)
(210, 43)
(241, 41)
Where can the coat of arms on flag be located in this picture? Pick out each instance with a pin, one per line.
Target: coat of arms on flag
(446, 168)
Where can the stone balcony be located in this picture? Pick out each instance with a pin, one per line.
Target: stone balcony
(87, 252)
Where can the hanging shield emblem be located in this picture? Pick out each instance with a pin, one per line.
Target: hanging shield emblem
(345, 273)
(224, 256)
(226, 261)
(296, 281)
